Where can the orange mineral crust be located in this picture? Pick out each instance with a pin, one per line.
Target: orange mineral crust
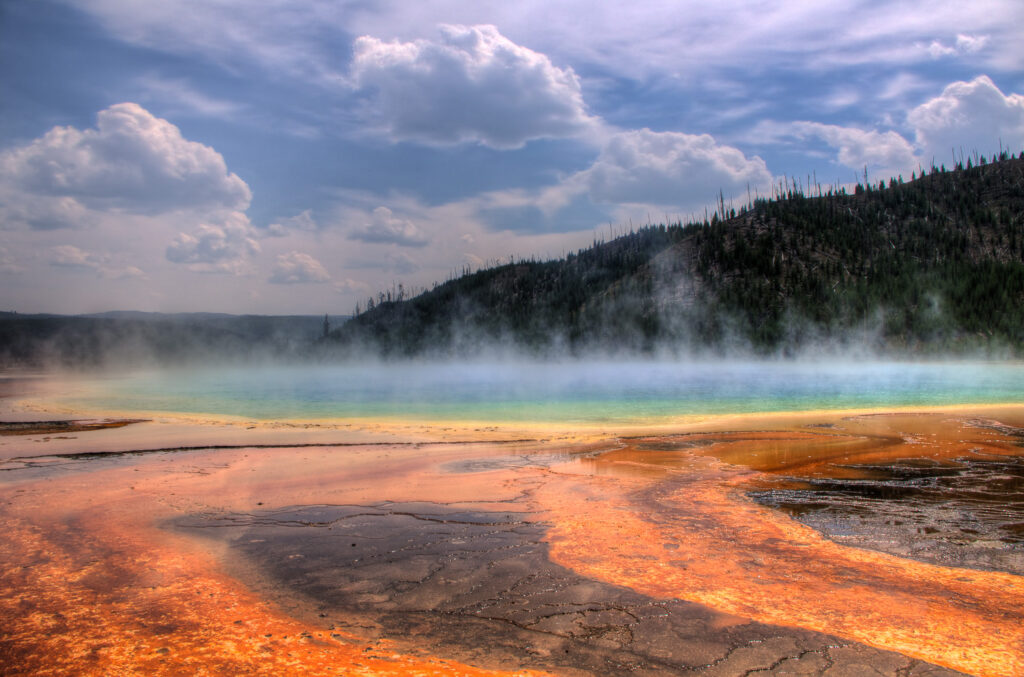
(636, 553)
(657, 517)
(89, 585)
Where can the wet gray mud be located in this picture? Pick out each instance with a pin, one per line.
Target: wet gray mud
(965, 513)
(478, 587)
(59, 427)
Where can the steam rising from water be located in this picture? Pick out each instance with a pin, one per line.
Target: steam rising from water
(564, 392)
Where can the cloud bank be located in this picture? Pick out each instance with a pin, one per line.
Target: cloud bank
(385, 228)
(216, 248)
(69, 256)
(670, 169)
(298, 268)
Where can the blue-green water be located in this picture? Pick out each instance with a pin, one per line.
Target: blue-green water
(563, 392)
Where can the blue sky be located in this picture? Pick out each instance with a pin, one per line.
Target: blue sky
(296, 157)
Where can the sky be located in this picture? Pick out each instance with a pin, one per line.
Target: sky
(297, 157)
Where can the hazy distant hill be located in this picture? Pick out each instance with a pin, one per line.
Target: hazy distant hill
(129, 338)
(920, 266)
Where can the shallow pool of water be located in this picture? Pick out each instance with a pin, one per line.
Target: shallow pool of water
(564, 392)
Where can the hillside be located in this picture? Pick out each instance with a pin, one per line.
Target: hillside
(926, 266)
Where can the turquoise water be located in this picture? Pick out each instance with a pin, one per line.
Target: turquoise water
(566, 392)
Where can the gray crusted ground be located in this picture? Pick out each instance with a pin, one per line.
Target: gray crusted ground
(478, 587)
(968, 512)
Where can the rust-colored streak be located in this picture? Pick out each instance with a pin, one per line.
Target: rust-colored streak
(676, 524)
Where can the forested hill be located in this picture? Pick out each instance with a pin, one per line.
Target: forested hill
(930, 265)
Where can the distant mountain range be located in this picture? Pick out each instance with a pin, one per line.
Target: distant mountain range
(131, 338)
(123, 315)
(929, 265)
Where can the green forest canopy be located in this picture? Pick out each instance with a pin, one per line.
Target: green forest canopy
(930, 265)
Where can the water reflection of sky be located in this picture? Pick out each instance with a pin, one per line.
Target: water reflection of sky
(570, 391)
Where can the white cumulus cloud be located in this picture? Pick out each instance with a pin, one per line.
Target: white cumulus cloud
(385, 228)
(131, 162)
(296, 268)
(973, 116)
(216, 248)
(303, 221)
(472, 85)
(964, 44)
(885, 151)
(670, 169)
(72, 257)
(69, 256)
(41, 212)
(967, 117)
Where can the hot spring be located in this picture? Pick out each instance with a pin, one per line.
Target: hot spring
(567, 392)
